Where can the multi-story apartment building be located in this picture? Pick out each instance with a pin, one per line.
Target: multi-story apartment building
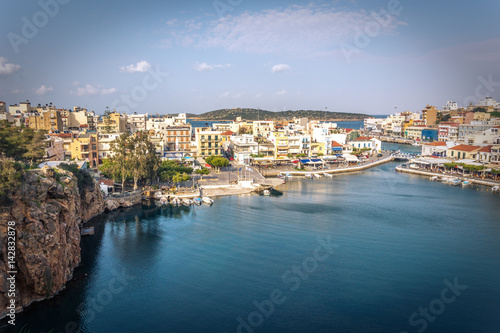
(86, 148)
(76, 119)
(414, 132)
(104, 144)
(448, 131)
(48, 120)
(262, 127)
(429, 115)
(137, 122)
(114, 123)
(3, 107)
(177, 138)
(208, 142)
(465, 130)
(485, 137)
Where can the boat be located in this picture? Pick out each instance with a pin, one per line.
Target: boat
(317, 175)
(466, 183)
(187, 202)
(176, 202)
(163, 201)
(434, 178)
(456, 182)
(197, 201)
(495, 189)
(267, 193)
(207, 200)
(309, 175)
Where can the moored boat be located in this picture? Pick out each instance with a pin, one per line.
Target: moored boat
(163, 201)
(197, 201)
(187, 202)
(207, 200)
(266, 193)
(176, 202)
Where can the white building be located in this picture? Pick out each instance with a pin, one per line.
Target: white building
(375, 145)
(104, 144)
(137, 122)
(450, 106)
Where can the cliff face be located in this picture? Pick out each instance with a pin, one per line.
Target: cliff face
(48, 210)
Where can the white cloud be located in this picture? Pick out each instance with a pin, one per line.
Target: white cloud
(92, 90)
(108, 91)
(281, 93)
(141, 67)
(17, 91)
(171, 22)
(297, 29)
(204, 67)
(280, 68)
(224, 94)
(88, 89)
(6, 68)
(43, 90)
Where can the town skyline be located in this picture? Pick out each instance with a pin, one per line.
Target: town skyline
(374, 57)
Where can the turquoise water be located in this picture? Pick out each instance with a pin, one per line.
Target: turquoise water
(361, 252)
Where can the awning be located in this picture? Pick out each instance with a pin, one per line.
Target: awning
(351, 158)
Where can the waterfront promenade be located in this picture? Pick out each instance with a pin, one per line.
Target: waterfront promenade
(487, 182)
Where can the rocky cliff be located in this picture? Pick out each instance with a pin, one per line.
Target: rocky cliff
(48, 211)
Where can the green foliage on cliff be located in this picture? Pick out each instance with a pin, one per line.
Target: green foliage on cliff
(11, 174)
(255, 114)
(23, 144)
(84, 179)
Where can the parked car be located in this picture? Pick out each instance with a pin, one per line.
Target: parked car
(380, 155)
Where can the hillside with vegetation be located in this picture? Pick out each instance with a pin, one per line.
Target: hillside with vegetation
(255, 114)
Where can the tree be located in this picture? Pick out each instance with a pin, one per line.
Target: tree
(107, 121)
(11, 174)
(35, 151)
(121, 157)
(168, 169)
(217, 162)
(202, 171)
(180, 177)
(143, 159)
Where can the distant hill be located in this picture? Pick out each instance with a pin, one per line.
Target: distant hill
(255, 114)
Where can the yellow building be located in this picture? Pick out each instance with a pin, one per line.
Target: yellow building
(49, 121)
(317, 148)
(463, 152)
(116, 123)
(414, 132)
(281, 147)
(85, 148)
(209, 143)
(429, 115)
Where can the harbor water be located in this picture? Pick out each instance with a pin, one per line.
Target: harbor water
(374, 251)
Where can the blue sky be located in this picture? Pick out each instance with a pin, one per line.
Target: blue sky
(162, 57)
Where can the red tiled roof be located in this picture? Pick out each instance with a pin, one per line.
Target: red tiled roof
(436, 143)
(348, 130)
(465, 148)
(363, 138)
(336, 144)
(84, 125)
(228, 133)
(486, 149)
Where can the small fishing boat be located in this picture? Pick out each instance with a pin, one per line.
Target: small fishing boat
(207, 200)
(434, 178)
(176, 202)
(466, 183)
(317, 175)
(197, 201)
(309, 176)
(187, 202)
(495, 189)
(266, 193)
(163, 201)
(456, 182)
